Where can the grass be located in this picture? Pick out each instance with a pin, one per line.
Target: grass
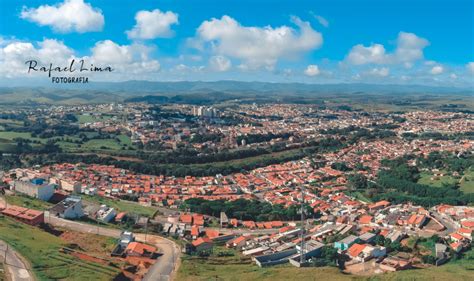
(425, 178)
(101, 144)
(467, 181)
(114, 144)
(27, 202)
(7, 135)
(121, 206)
(41, 249)
(82, 118)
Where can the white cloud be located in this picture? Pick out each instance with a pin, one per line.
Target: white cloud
(154, 24)
(256, 46)
(183, 69)
(219, 63)
(381, 72)
(69, 16)
(360, 54)
(453, 76)
(408, 50)
(312, 70)
(470, 67)
(14, 55)
(126, 58)
(435, 70)
(409, 47)
(322, 21)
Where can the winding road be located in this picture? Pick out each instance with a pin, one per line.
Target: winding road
(166, 265)
(17, 268)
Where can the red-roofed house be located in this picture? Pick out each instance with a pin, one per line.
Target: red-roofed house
(137, 249)
(203, 244)
(456, 237)
(186, 218)
(355, 251)
(366, 219)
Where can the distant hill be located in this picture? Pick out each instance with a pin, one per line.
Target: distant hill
(199, 92)
(264, 87)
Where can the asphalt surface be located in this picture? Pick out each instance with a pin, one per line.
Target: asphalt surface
(16, 268)
(166, 264)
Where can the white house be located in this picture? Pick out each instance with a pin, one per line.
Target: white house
(69, 208)
(106, 214)
(36, 188)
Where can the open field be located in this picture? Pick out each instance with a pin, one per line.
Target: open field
(6, 135)
(121, 206)
(41, 249)
(466, 181)
(425, 178)
(68, 143)
(27, 202)
(82, 118)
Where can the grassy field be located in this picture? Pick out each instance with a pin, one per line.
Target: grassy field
(119, 142)
(41, 249)
(82, 118)
(239, 268)
(121, 206)
(7, 135)
(27, 202)
(466, 182)
(425, 178)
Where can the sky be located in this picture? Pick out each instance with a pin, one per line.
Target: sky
(429, 42)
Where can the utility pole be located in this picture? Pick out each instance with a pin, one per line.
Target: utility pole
(6, 252)
(302, 226)
(146, 229)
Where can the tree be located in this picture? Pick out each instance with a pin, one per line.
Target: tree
(357, 181)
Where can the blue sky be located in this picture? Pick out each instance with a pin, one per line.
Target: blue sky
(372, 41)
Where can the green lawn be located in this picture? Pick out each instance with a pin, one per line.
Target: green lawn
(121, 206)
(41, 249)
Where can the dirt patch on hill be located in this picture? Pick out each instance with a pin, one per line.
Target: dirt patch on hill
(90, 243)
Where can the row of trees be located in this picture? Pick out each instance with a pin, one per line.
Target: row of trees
(258, 138)
(245, 209)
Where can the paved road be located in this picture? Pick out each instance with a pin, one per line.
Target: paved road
(450, 226)
(166, 264)
(16, 268)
